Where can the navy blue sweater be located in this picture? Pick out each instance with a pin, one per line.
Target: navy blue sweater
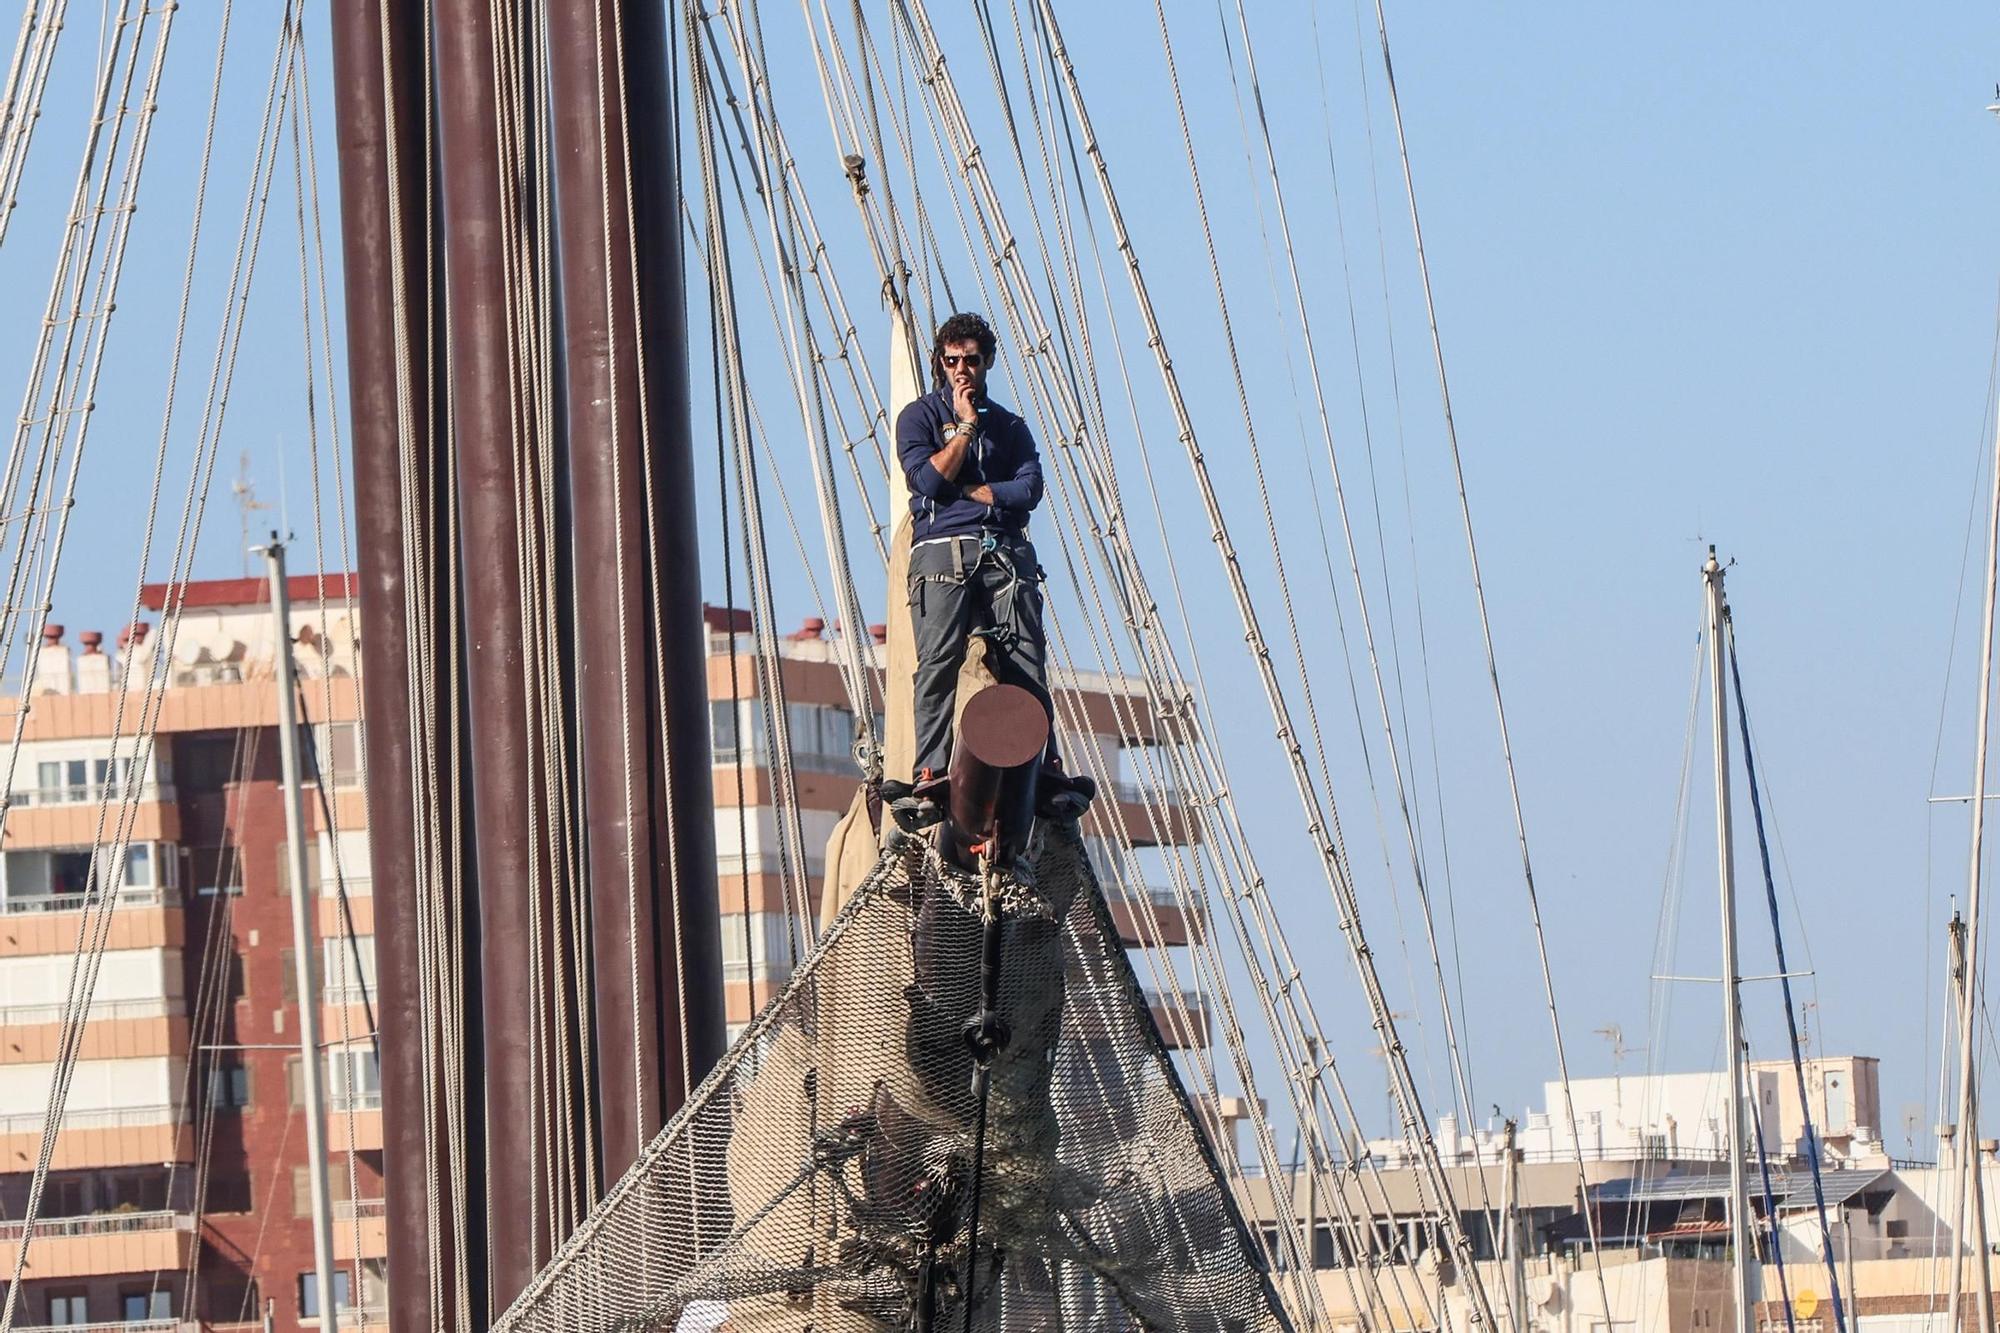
(1002, 457)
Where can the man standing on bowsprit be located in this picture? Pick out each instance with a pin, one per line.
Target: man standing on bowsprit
(975, 477)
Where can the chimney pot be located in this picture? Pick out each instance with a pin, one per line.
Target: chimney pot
(133, 633)
(52, 633)
(879, 633)
(93, 640)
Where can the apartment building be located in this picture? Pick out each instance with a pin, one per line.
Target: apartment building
(177, 1179)
(177, 1193)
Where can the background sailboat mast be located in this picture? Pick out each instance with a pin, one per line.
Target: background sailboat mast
(1966, 1161)
(1741, 1254)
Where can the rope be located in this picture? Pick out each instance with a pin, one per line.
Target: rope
(1785, 984)
(1486, 639)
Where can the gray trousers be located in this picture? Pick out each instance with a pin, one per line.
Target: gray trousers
(957, 589)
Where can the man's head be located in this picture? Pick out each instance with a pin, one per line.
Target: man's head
(963, 353)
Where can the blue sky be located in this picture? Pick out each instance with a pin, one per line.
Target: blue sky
(1702, 275)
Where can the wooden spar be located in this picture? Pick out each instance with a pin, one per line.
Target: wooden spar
(512, 854)
(1002, 732)
(390, 274)
(640, 645)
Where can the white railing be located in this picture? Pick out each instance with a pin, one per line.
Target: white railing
(30, 904)
(346, 1210)
(1140, 793)
(90, 793)
(358, 885)
(117, 1117)
(120, 1325)
(766, 969)
(1193, 1001)
(101, 1224)
(1160, 895)
(355, 1101)
(812, 761)
(28, 1015)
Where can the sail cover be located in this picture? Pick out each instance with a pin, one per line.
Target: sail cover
(822, 1176)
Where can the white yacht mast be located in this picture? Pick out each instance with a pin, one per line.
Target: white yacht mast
(311, 1060)
(1966, 1159)
(1742, 1255)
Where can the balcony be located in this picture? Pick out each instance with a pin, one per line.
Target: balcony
(105, 1243)
(124, 1326)
(35, 1015)
(116, 1136)
(360, 1220)
(89, 793)
(47, 903)
(354, 1120)
(1151, 915)
(1182, 1019)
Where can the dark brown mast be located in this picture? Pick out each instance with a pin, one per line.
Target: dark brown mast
(511, 851)
(391, 279)
(649, 811)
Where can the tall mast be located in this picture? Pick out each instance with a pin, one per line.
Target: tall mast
(311, 1061)
(1732, 974)
(641, 667)
(393, 297)
(1967, 1137)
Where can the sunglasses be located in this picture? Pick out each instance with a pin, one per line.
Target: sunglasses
(971, 360)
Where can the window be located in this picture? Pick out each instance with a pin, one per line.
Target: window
(234, 981)
(341, 762)
(336, 1189)
(309, 1293)
(215, 870)
(349, 972)
(759, 951)
(229, 1086)
(139, 865)
(68, 1308)
(228, 1297)
(227, 1193)
(285, 867)
(145, 1192)
(353, 1079)
(139, 1306)
(721, 726)
(65, 1197)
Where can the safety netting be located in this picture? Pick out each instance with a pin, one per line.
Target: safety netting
(823, 1176)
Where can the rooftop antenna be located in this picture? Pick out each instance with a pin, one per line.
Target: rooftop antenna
(244, 492)
(1613, 1033)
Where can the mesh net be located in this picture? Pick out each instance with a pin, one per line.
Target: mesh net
(822, 1177)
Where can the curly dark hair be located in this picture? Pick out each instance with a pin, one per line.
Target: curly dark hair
(962, 327)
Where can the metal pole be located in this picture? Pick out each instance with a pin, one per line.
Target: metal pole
(642, 689)
(383, 132)
(1732, 1010)
(311, 1061)
(1968, 1007)
(1517, 1273)
(1969, 1173)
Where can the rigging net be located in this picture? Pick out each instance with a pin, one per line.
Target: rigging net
(823, 1170)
